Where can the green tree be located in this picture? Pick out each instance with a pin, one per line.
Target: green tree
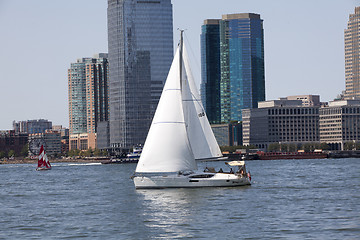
(284, 147)
(316, 145)
(349, 146)
(307, 147)
(104, 152)
(274, 147)
(11, 153)
(25, 150)
(97, 152)
(2, 154)
(292, 147)
(88, 153)
(74, 152)
(324, 146)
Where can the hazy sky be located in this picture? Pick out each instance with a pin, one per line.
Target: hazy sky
(304, 47)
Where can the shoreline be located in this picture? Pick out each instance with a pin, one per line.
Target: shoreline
(57, 160)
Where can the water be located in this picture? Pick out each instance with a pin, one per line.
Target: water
(289, 199)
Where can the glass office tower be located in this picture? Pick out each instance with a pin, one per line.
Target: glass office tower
(140, 41)
(210, 69)
(242, 64)
(241, 60)
(352, 59)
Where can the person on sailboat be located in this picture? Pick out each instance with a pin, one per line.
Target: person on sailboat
(249, 175)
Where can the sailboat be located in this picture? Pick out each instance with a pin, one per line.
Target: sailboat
(43, 161)
(179, 135)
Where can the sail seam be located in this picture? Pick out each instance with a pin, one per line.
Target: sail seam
(169, 122)
(172, 89)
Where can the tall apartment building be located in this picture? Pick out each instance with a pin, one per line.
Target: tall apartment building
(32, 126)
(241, 61)
(140, 41)
(281, 121)
(88, 93)
(352, 56)
(340, 123)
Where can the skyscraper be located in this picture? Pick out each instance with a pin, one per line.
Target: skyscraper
(140, 41)
(241, 60)
(88, 93)
(210, 69)
(352, 59)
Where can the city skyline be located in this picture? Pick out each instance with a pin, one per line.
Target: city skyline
(43, 38)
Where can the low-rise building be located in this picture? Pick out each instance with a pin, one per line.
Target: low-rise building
(51, 139)
(281, 121)
(10, 140)
(32, 126)
(228, 134)
(64, 133)
(340, 123)
(82, 141)
(298, 122)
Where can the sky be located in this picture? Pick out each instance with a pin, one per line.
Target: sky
(303, 43)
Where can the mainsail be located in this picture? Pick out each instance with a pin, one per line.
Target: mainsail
(167, 148)
(43, 161)
(180, 131)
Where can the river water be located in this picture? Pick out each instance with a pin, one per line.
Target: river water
(288, 199)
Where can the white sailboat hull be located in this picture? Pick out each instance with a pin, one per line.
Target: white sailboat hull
(180, 181)
(42, 169)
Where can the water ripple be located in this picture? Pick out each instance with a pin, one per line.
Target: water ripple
(288, 199)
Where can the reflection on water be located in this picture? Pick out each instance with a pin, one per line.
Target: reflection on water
(168, 207)
(192, 213)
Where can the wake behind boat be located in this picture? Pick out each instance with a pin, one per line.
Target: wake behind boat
(43, 161)
(179, 135)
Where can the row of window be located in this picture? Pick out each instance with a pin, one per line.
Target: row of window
(293, 111)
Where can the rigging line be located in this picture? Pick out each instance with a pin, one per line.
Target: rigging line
(198, 68)
(192, 52)
(198, 101)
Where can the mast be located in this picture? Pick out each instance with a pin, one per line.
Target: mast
(181, 56)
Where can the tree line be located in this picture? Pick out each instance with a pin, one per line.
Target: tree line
(293, 147)
(73, 153)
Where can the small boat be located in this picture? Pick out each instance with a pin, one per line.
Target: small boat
(135, 154)
(132, 157)
(179, 135)
(43, 161)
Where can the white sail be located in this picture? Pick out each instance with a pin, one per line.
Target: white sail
(167, 148)
(201, 136)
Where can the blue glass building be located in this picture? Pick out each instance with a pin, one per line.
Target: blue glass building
(241, 60)
(210, 69)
